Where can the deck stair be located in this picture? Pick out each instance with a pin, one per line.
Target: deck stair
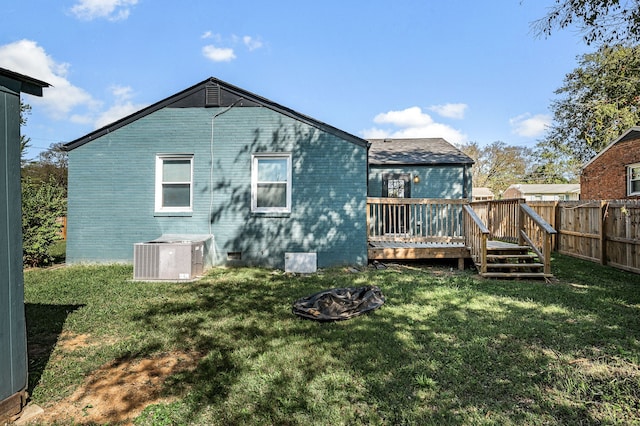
(506, 260)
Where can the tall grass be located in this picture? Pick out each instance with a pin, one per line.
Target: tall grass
(446, 348)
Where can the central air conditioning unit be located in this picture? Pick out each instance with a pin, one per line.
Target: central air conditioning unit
(166, 259)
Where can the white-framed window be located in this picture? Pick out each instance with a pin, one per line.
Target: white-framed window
(174, 183)
(633, 179)
(395, 188)
(271, 183)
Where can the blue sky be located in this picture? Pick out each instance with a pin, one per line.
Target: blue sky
(464, 70)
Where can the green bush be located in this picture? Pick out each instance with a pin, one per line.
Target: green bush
(42, 204)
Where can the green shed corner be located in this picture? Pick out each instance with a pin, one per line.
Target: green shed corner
(13, 332)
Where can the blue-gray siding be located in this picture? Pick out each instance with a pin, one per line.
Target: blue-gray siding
(452, 181)
(112, 184)
(13, 340)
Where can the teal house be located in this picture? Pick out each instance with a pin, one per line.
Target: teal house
(418, 168)
(255, 181)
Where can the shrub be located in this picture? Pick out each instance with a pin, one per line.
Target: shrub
(42, 204)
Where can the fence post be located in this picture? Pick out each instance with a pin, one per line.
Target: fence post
(556, 225)
(603, 240)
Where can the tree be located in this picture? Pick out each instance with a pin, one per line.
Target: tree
(551, 166)
(599, 101)
(600, 21)
(51, 164)
(44, 193)
(42, 204)
(25, 142)
(497, 165)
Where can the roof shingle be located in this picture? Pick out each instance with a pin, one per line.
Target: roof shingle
(429, 151)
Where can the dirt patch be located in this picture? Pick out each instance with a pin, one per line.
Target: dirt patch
(69, 342)
(119, 391)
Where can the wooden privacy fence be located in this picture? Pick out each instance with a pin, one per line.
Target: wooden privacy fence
(62, 221)
(607, 232)
(415, 219)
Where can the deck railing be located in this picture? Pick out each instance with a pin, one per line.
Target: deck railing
(501, 218)
(476, 235)
(415, 219)
(537, 233)
(411, 220)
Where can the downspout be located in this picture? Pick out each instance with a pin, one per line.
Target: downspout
(368, 171)
(210, 219)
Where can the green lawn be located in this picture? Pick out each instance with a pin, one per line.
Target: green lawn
(446, 348)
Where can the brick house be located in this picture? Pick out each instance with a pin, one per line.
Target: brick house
(254, 179)
(614, 173)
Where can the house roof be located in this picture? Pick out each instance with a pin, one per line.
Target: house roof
(21, 83)
(632, 133)
(418, 151)
(480, 191)
(547, 188)
(224, 95)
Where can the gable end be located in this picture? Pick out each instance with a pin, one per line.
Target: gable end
(214, 93)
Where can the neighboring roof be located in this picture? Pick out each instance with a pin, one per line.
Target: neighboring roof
(481, 192)
(27, 84)
(547, 188)
(227, 96)
(417, 151)
(632, 133)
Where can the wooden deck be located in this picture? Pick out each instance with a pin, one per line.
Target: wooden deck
(414, 229)
(397, 250)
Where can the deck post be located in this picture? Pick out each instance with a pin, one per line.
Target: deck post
(520, 222)
(483, 254)
(547, 254)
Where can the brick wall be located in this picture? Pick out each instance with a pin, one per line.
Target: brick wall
(606, 177)
(112, 182)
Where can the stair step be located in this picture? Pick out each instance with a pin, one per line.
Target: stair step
(516, 275)
(512, 256)
(508, 249)
(514, 265)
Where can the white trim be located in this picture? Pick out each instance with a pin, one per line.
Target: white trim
(159, 208)
(254, 182)
(629, 180)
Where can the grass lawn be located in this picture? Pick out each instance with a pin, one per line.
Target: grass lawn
(446, 348)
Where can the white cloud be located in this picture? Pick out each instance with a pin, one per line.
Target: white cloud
(122, 107)
(27, 57)
(115, 113)
(227, 54)
(410, 117)
(528, 125)
(450, 110)
(251, 43)
(113, 10)
(218, 54)
(64, 101)
(412, 123)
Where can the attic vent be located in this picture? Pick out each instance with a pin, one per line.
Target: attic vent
(212, 95)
